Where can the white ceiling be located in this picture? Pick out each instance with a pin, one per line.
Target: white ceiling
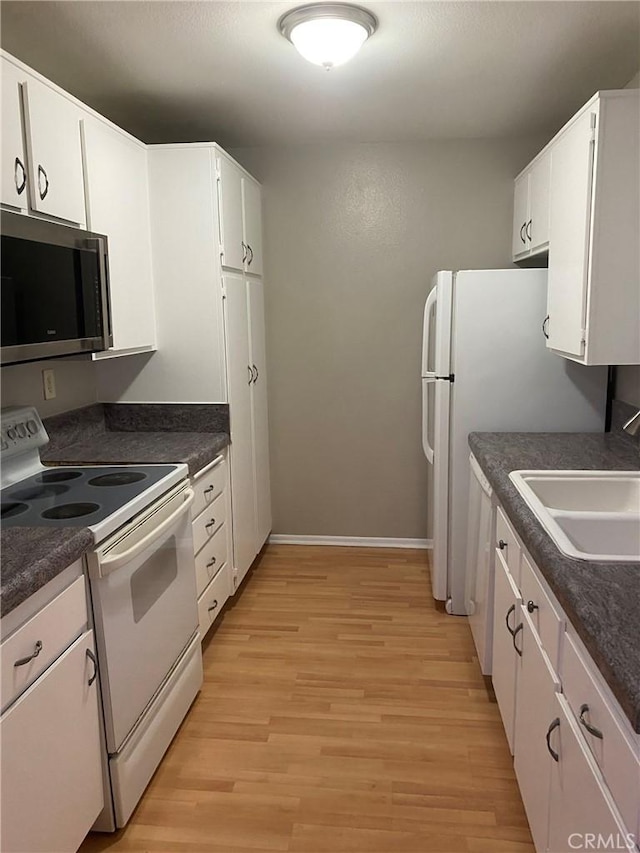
(189, 71)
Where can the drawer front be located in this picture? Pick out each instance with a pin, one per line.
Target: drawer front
(208, 522)
(211, 558)
(211, 601)
(48, 633)
(507, 543)
(546, 620)
(208, 485)
(615, 755)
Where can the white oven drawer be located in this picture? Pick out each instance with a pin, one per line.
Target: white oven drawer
(209, 521)
(208, 484)
(211, 558)
(41, 639)
(212, 600)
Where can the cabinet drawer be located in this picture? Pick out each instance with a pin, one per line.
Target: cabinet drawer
(211, 558)
(208, 484)
(51, 630)
(617, 758)
(507, 543)
(211, 601)
(209, 521)
(542, 613)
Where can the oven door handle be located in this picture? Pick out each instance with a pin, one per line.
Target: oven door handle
(110, 564)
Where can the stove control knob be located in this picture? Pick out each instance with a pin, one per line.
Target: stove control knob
(12, 434)
(32, 426)
(22, 430)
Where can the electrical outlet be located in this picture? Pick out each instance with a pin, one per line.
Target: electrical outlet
(49, 384)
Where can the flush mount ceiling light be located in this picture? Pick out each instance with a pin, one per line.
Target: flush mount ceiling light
(328, 34)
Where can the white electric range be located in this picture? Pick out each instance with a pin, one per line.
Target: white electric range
(142, 586)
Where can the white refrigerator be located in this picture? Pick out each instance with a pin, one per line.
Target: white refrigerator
(485, 367)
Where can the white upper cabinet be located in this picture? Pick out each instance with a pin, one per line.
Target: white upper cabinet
(233, 250)
(118, 206)
(52, 126)
(14, 165)
(531, 209)
(252, 225)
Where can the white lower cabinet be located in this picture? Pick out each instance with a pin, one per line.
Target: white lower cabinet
(581, 807)
(576, 757)
(537, 686)
(51, 759)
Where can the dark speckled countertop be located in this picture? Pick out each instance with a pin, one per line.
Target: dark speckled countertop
(111, 434)
(602, 600)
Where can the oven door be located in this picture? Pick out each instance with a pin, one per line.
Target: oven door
(144, 598)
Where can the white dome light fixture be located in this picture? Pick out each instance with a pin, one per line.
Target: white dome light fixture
(328, 34)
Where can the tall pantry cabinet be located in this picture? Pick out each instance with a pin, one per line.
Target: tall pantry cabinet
(207, 254)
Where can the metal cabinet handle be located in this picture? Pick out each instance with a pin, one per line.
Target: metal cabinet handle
(524, 225)
(213, 606)
(93, 660)
(255, 371)
(552, 752)
(250, 255)
(502, 544)
(516, 631)
(506, 618)
(244, 251)
(531, 606)
(36, 651)
(528, 230)
(211, 562)
(210, 523)
(545, 327)
(208, 490)
(250, 374)
(20, 185)
(584, 709)
(43, 192)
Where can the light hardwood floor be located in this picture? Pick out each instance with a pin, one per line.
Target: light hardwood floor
(342, 712)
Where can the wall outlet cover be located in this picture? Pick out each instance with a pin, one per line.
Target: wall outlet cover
(49, 384)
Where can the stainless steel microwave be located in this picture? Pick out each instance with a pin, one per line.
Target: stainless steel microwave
(54, 290)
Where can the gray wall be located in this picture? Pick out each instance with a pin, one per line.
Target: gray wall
(353, 235)
(75, 385)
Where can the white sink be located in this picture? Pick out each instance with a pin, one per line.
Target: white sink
(591, 515)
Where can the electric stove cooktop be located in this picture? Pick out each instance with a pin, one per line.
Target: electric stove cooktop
(80, 496)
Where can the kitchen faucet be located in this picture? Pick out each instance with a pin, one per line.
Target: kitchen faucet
(632, 426)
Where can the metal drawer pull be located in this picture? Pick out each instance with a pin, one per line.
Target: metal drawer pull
(584, 709)
(36, 651)
(502, 544)
(43, 192)
(244, 251)
(208, 489)
(531, 606)
(93, 660)
(250, 256)
(20, 185)
(516, 631)
(211, 562)
(255, 370)
(524, 225)
(545, 327)
(210, 523)
(528, 230)
(552, 752)
(250, 375)
(506, 619)
(213, 606)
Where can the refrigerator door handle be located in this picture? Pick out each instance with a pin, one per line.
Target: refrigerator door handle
(426, 444)
(426, 326)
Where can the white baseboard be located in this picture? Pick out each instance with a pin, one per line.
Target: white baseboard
(350, 541)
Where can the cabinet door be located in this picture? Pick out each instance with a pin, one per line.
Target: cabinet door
(252, 219)
(537, 686)
(240, 380)
(260, 425)
(569, 220)
(538, 223)
(579, 801)
(55, 153)
(519, 243)
(51, 757)
(504, 671)
(14, 164)
(234, 252)
(118, 206)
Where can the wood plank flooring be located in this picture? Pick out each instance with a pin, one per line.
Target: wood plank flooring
(341, 712)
